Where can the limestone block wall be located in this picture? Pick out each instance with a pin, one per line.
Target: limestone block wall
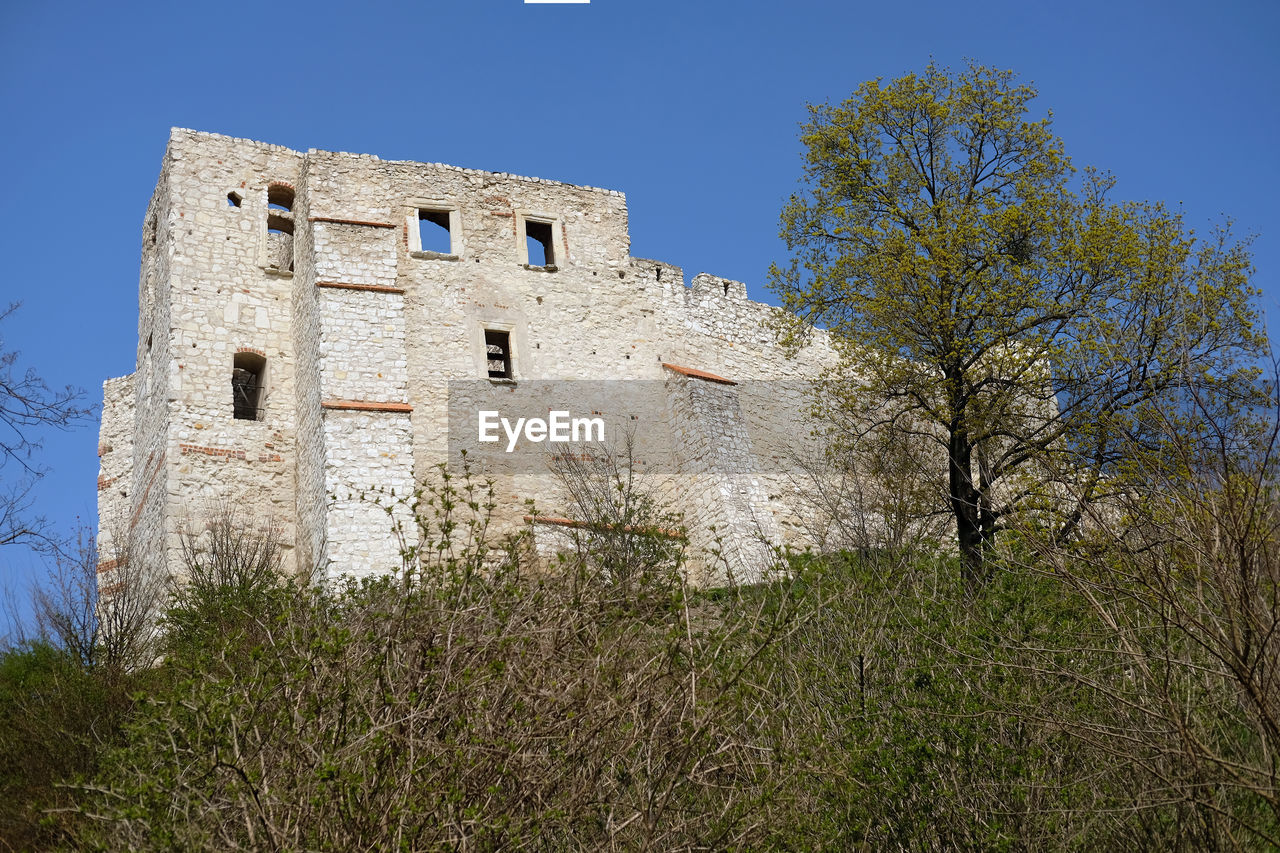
(727, 509)
(115, 470)
(229, 296)
(363, 373)
(309, 464)
(145, 523)
(361, 332)
(368, 469)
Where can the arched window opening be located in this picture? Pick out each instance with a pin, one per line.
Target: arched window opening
(248, 381)
(280, 197)
(277, 224)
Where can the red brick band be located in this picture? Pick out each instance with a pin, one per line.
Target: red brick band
(586, 525)
(366, 406)
(698, 374)
(373, 288)
(336, 221)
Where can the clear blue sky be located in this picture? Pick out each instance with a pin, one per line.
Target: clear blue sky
(688, 106)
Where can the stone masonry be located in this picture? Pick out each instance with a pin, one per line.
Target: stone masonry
(298, 343)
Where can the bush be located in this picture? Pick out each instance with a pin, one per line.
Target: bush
(471, 702)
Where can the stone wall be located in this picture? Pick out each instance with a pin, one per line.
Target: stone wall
(115, 470)
(362, 337)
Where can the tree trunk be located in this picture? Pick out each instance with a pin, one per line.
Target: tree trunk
(965, 506)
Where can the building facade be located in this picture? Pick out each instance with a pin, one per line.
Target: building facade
(313, 325)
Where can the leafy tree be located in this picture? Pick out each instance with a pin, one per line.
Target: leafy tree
(996, 303)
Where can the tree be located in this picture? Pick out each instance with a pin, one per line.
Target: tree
(994, 302)
(27, 405)
(109, 625)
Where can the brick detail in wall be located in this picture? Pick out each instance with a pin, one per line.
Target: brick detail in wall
(698, 374)
(586, 525)
(224, 453)
(146, 491)
(346, 285)
(337, 221)
(366, 406)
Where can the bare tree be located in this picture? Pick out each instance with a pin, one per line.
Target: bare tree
(624, 529)
(1184, 572)
(226, 550)
(28, 405)
(103, 611)
(874, 483)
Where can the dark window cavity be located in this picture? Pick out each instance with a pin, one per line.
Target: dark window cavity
(497, 347)
(280, 197)
(248, 375)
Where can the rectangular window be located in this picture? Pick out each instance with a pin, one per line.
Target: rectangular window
(540, 243)
(497, 347)
(433, 232)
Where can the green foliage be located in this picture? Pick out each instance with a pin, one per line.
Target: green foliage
(991, 303)
(868, 701)
(56, 719)
(926, 716)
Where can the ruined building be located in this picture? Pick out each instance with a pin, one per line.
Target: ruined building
(313, 325)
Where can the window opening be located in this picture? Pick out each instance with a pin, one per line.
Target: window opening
(234, 198)
(280, 227)
(280, 197)
(277, 224)
(248, 372)
(539, 242)
(497, 347)
(433, 232)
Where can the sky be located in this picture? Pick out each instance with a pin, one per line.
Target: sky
(690, 107)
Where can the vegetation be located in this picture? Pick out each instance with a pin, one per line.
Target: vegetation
(1118, 693)
(995, 306)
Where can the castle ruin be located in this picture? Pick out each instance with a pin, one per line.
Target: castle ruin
(309, 322)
